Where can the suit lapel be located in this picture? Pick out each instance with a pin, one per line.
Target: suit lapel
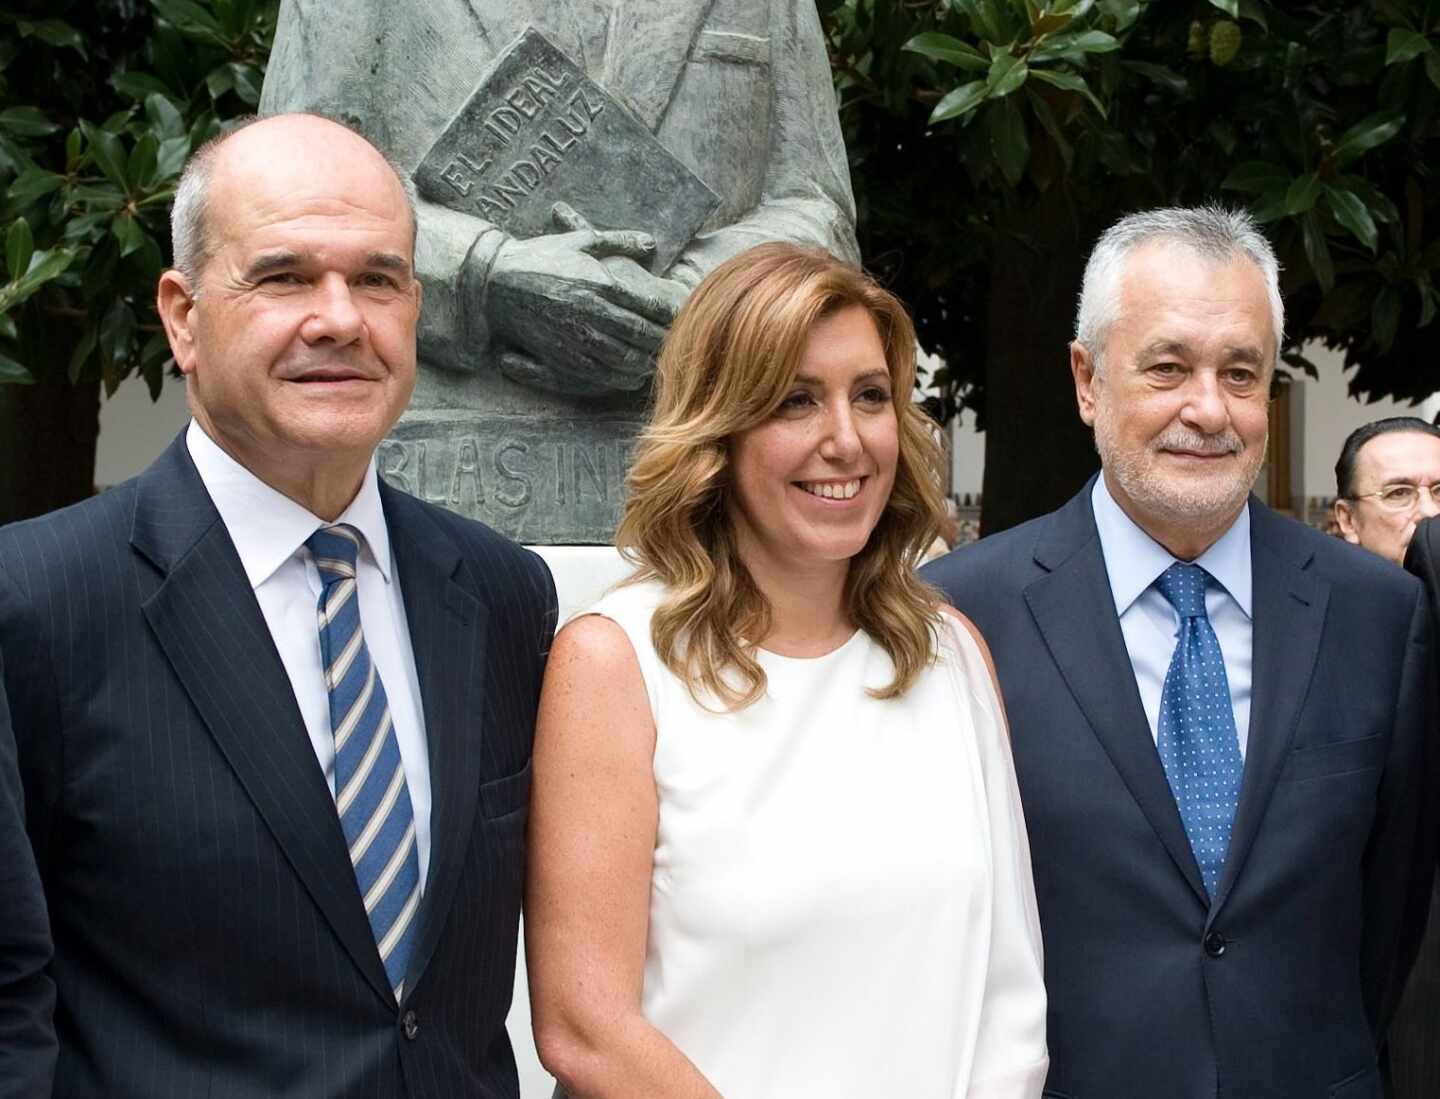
(645, 76)
(448, 636)
(210, 627)
(1289, 615)
(1073, 607)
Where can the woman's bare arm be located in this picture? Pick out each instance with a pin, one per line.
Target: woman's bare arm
(593, 814)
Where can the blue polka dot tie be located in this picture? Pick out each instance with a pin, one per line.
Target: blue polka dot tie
(1196, 737)
(370, 791)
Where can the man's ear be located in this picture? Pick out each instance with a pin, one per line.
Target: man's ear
(1345, 520)
(175, 303)
(1082, 367)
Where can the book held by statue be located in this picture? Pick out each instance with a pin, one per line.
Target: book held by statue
(537, 131)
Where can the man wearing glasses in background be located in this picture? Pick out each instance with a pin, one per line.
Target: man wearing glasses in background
(1384, 481)
(1387, 480)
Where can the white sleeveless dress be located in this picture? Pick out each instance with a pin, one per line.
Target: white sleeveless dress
(841, 903)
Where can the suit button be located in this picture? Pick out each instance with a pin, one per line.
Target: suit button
(410, 1025)
(1215, 944)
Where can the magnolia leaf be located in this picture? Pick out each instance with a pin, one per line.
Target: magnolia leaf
(1075, 45)
(1373, 130)
(19, 247)
(1050, 23)
(163, 116)
(220, 81)
(12, 373)
(82, 351)
(1166, 78)
(1403, 45)
(1353, 214)
(959, 101)
(141, 167)
(26, 122)
(34, 183)
(43, 267)
(1318, 252)
(128, 233)
(138, 86)
(1229, 7)
(1122, 13)
(188, 17)
(171, 157)
(59, 33)
(1006, 127)
(1071, 82)
(1007, 73)
(1253, 11)
(247, 81)
(944, 47)
(1427, 300)
(109, 154)
(1302, 194)
(1257, 176)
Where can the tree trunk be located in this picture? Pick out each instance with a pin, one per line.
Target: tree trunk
(1038, 453)
(47, 446)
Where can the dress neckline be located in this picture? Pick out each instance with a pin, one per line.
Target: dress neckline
(810, 661)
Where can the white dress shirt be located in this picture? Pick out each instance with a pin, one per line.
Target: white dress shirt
(269, 532)
(1134, 561)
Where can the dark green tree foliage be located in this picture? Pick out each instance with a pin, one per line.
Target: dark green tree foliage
(991, 140)
(101, 101)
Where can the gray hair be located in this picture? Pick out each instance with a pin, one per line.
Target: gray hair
(190, 239)
(1211, 232)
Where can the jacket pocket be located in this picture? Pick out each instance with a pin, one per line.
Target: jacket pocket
(1339, 758)
(1364, 1084)
(502, 796)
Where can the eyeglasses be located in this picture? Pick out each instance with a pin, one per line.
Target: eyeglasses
(1401, 496)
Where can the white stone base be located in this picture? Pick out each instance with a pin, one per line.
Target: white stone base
(582, 574)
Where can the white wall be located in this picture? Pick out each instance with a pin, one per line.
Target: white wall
(134, 430)
(1329, 414)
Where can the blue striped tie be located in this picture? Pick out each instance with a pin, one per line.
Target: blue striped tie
(1196, 736)
(370, 792)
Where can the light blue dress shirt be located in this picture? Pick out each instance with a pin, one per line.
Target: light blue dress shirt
(1134, 561)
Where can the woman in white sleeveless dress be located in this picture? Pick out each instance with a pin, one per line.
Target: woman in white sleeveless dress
(776, 842)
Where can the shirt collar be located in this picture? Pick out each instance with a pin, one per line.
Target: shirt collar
(266, 526)
(1134, 560)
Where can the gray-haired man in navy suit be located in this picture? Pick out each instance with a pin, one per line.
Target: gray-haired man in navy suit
(274, 718)
(1218, 715)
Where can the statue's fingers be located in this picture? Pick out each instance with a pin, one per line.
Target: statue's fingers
(642, 296)
(630, 328)
(566, 217)
(572, 377)
(598, 340)
(621, 242)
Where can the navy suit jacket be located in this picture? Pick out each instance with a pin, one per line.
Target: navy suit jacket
(1279, 988)
(27, 995)
(210, 938)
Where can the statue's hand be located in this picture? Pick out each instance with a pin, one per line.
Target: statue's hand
(575, 312)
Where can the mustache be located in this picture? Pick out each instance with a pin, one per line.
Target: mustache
(1180, 437)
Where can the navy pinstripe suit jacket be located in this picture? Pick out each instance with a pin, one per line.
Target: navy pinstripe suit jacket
(210, 939)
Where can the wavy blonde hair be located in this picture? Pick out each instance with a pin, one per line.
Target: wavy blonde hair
(729, 360)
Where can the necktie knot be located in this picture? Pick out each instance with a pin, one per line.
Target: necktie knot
(1184, 587)
(335, 550)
